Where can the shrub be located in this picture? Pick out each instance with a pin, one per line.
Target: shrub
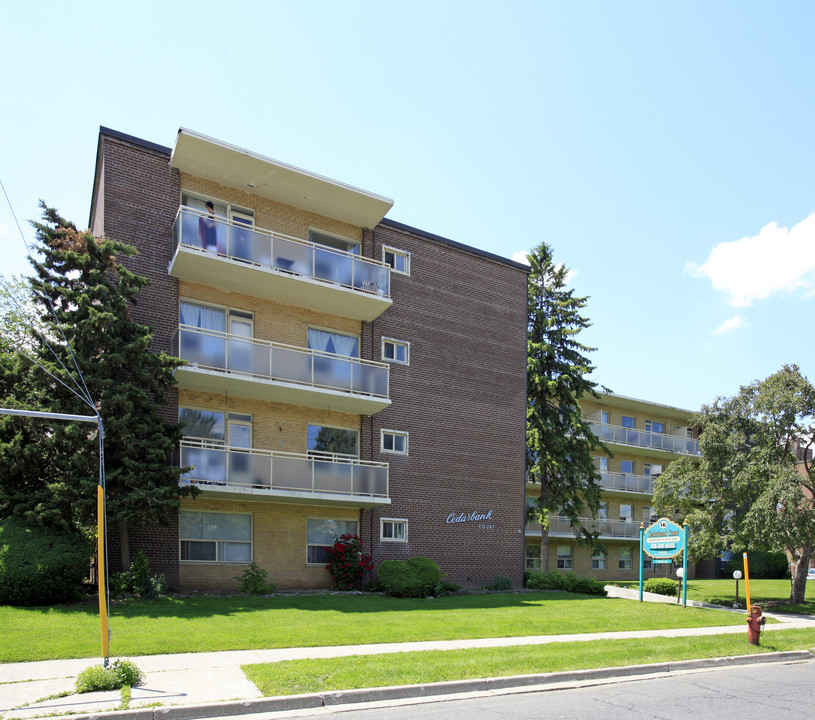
(416, 577)
(252, 581)
(40, 565)
(568, 582)
(761, 564)
(446, 588)
(347, 563)
(137, 580)
(397, 578)
(501, 583)
(427, 572)
(661, 586)
(545, 580)
(121, 673)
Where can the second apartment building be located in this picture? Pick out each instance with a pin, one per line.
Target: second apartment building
(344, 372)
(644, 438)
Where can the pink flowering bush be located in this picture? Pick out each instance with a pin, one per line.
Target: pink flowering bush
(347, 563)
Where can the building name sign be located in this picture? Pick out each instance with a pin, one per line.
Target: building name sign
(663, 540)
(482, 518)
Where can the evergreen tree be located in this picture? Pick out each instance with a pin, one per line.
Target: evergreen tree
(49, 469)
(746, 490)
(560, 445)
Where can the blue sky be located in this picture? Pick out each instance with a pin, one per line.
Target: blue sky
(664, 150)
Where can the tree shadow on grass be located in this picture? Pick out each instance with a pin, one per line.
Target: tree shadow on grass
(226, 605)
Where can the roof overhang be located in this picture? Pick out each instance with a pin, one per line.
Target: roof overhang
(235, 167)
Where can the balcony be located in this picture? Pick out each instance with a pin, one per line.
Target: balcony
(640, 438)
(251, 474)
(609, 529)
(261, 263)
(624, 482)
(224, 363)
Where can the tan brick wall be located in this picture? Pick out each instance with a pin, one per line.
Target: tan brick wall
(582, 561)
(274, 322)
(275, 426)
(270, 215)
(278, 545)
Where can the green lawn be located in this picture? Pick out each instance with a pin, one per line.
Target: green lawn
(202, 624)
(306, 676)
(773, 595)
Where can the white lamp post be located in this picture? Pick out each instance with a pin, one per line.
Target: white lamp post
(737, 577)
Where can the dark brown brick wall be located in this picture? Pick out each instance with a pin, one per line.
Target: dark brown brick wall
(141, 197)
(462, 399)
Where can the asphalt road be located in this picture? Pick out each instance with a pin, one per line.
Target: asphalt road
(758, 692)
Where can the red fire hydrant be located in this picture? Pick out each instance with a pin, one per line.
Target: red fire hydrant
(754, 624)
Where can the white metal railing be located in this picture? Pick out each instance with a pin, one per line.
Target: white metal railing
(268, 249)
(642, 438)
(221, 465)
(559, 525)
(275, 361)
(625, 482)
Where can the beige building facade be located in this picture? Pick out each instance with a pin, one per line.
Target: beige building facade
(644, 438)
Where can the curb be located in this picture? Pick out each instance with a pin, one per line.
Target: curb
(538, 682)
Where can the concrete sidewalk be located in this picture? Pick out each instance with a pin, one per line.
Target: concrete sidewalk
(207, 680)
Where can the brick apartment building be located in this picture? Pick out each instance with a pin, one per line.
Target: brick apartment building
(644, 438)
(345, 372)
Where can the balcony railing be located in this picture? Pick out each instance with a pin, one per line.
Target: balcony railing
(221, 467)
(273, 361)
(642, 438)
(267, 249)
(561, 526)
(627, 483)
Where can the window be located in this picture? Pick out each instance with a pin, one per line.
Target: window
(602, 511)
(627, 467)
(604, 418)
(215, 537)
(646, 563)
(656, 427)
(325, 440)
(320, 534)
(333, 241)
(564, 557)
(626, 511)
(533, 557)
(598, 562)
(395, 351)
(233, 429)
(399, 260)
(628, 422)
(333, 342)
(393, 530)
(625, 559)
(647, 513)
(602, 464)
(394, 441)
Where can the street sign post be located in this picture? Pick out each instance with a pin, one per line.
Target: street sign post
(662, 542)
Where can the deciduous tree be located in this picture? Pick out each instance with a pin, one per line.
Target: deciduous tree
(745, 490)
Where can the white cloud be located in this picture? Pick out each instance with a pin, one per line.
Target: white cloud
(734, 323)
(522, 256)
(754, 268)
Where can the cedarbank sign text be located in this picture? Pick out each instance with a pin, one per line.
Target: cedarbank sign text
(482, 518)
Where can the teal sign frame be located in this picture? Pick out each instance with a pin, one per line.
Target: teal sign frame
(662, 541)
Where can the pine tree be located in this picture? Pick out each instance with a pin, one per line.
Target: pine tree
(49, 470)
(560, 445)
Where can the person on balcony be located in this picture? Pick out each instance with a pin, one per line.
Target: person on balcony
(208, 229)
